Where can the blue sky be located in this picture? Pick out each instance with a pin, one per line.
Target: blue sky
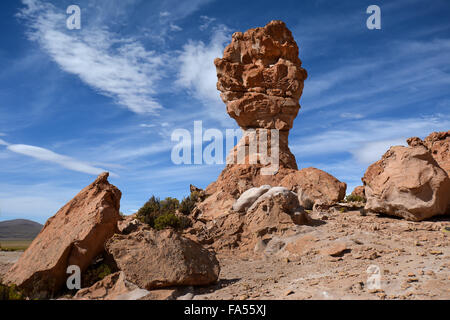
(107, 97)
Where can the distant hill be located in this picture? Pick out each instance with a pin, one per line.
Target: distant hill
(19, 229)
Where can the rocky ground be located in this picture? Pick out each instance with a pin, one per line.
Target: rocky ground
(413, 258)
(7, 259)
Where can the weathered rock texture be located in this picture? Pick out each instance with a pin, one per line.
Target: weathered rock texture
(261, 78)
(274, 212)
(439, 145)
(74, 236)
(261, 81)
(407, 182)
(314, 186)
(155, 259)
(112, 287)
(359, 192)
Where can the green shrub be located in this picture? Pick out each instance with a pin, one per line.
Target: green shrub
(150, 211)
(161, 214)
(10, 293)
(188, 204)
(354, 198)
(168, 220)
(169, 205)
(95, 273)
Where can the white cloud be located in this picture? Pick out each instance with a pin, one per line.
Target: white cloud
(116, 67)
(164, 14)
(3, 143)
(174, 27)
(349, 115)
(373, 151)
(198, 72)
(367, 140)
(144, 125)
(52, 157)
(206, 21)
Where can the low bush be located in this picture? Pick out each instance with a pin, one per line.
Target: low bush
(95, 273)
(10, 293)
(188, 204)
(354, 198)
(161, 214)
(168, 220)
(150, 211)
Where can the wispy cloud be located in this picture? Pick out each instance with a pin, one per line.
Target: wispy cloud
(368, 140)
(52, 157)
(365, 83)
(117, 67)
(206, 22)
(198, 72)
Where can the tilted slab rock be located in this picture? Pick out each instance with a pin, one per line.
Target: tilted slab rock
(74, 236)
(155, 259)
(407, 182)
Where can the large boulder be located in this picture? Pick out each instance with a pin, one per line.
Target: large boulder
(155, 259)
(274, 212)
(74, 236)
(407, 182)
(359, 192)
(439, 145)
(314, 186)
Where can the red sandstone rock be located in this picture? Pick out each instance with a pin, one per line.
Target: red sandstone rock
(407, 182)
(112, 287)
(74, 236)
(314, 186)
(359, 191)
(156, 259)
(261, 78)
(439, 145)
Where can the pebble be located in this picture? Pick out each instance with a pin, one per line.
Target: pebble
(288, 293)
